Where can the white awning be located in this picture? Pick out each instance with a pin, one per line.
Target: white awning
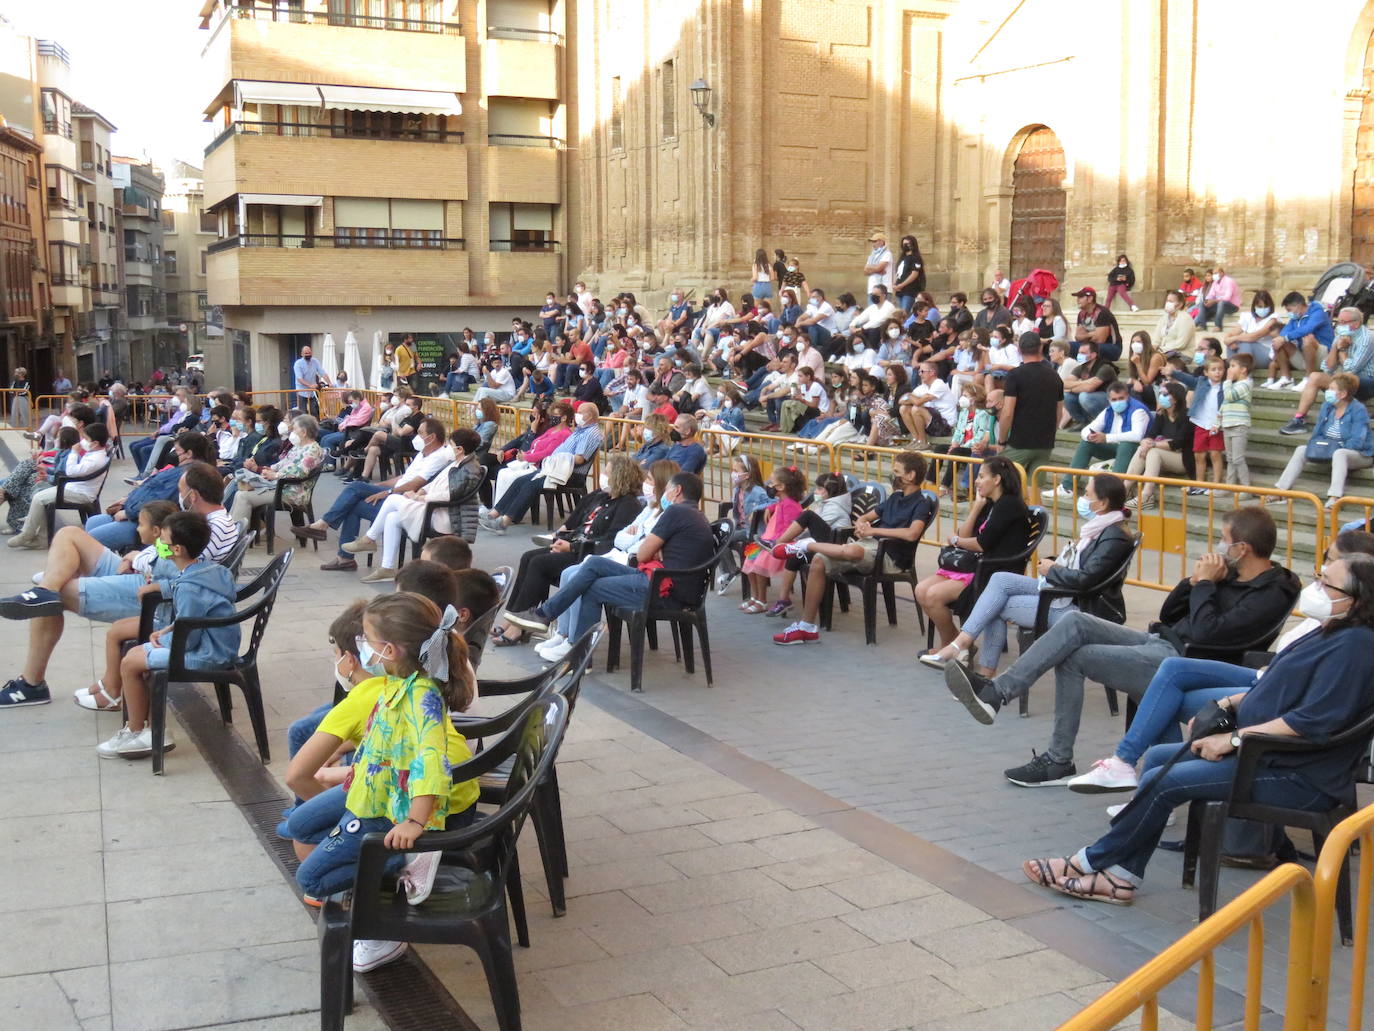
(290, 199)
(347, 98)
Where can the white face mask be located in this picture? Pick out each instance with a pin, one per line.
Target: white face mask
(283, 428)
(418, 443)
(605, 482)
(647, 488)
(295, 439)
(894, 333)
(580, 419)
(1137, 347)
(1171, 306)
(963, 401)
(184, 407)
(1314, 602)
(340, 677)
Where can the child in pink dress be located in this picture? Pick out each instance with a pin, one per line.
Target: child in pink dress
(789, 486)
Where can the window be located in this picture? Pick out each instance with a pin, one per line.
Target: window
(667, 81)
(169, 262)
(518, 122)
(617, 115)
(202, 299)
(61, 187)
(522, 227)
(202, 263)
(378, 222)
(64, 264)
(169, 221)
(209, 221)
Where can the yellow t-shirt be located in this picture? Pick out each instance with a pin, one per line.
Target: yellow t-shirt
(405, 361)
(348, 722)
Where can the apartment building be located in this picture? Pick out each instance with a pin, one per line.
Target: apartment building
(383, 166)
(104, 345)
(153, 342)
(20, 225)
(187, 231)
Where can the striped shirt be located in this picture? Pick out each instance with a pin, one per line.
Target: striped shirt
(1235, 402)
(224, 534)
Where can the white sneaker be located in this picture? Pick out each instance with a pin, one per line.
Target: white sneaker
(555, 653)
(1296, 386)
(1109, 774)
(1057, 492)
(369, 955)
(1112, 810)
(1282, 383)
(554, 640)
(1134, 308)
(129, 745)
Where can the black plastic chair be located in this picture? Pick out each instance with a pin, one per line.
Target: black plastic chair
(300, 515)
(468, 906)
(642, 622)
(564, 678)
(427, 530)
(234, 560)
(1207, 818)
(1037, 519)
(242, 671)
(1042, 616)
(564, 498)
(84, 509)
(884, 574)
(479, 630)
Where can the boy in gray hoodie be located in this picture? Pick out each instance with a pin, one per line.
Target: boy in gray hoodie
(198, 590)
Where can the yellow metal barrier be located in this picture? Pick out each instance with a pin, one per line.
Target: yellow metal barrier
(1359, 827)
(1364, 505)
(16, 409)
(1168, 527)
(1140, 991)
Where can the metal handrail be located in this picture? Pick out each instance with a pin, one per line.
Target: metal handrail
(512, 32)
(523, 247)
(340, 18)
(496, 137)
(391, 242)
(247, 127)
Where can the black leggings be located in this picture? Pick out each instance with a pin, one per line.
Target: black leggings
(539, 572)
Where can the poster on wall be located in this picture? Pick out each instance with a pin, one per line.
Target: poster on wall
(431, 352)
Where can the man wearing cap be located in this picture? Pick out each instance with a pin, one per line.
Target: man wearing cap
(1097, 324)
(879, 268)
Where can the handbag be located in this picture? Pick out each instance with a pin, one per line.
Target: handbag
(1320, 449)
(954, 559)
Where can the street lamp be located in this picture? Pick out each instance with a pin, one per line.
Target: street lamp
(701, 96)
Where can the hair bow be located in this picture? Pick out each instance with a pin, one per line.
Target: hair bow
(434, 654)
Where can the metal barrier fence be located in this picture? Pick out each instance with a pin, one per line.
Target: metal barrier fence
(1140, 991)
(1357, 828)
(16, 409)
(1364, 505)
(1179, 519)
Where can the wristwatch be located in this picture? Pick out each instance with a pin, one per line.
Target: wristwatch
(1235, 740)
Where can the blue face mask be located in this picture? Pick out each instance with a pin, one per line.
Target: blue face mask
(1342, 330)
(1199, 358)
(1084, 509)
(1166, 401)
(368, 658)
(648, 435)
(1262, 312)
(1330, 396)
(664, 502)
(1119, 406)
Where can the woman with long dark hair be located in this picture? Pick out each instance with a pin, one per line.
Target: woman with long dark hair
(911, 273)
(761, 277)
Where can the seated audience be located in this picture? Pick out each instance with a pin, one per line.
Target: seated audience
(1341, 439)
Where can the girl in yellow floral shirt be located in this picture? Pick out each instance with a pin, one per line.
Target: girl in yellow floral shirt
(400, 782)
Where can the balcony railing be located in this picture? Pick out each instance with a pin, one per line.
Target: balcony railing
(337, 132)
(55, 128)
(511, 32)
(525, 246)
(357, 21)
(65, 279)
(516, 139)
(391, 241)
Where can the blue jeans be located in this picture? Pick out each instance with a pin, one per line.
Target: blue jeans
(762, 289)
(116, 535)
(309, 822)
(813, 429)
(1176, 693)
(1084, 408)
(139, 451)
(820, 338)
(598, 581)
(1125, 849)
(1219, 311)
(330, 868)
(301, 731)
(330, 440)
(349, 510)
(1007, 596)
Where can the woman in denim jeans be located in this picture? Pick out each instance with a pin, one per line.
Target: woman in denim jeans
(1318, 687)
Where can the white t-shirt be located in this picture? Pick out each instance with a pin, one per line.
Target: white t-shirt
(1009, 355)
(503, 379)
(939, 397)
(426, 467)
(826, 312)
(700, 391)
(864, 358)
(637, 398)
(886, 278)
(815, 397)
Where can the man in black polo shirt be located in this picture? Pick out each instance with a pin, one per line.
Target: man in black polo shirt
(680, 539)
(1097, 324)
(900, 520)
(1032, 405)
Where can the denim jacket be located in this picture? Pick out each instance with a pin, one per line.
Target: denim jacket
(1354, 425)
(204, 589)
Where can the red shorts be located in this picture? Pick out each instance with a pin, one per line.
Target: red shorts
(1207, 440)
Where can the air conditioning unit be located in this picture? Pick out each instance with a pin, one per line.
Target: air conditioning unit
(86, 166)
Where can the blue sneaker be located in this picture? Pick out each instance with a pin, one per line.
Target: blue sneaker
(19, 692)
(35, 602)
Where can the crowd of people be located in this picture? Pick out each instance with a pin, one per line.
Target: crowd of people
(996, 385)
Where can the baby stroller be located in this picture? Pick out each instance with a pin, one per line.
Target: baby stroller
(1345, 285)
(1038, 285)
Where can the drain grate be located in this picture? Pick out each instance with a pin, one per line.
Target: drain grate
(406, 994)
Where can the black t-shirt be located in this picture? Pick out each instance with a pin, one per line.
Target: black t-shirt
(989, 317)
(906, 265)
(1098, 317)
(1038, 391)
(1101, 369)
(687, 541)
(960, 318)
(897, 513)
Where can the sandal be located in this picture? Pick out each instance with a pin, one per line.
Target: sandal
(1039, 871)
(1119, 893)
(753, 607)
(502, 641)
(88, 699)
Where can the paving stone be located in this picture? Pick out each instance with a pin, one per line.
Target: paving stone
(87, 990)
(794, 907)
(653, 971)
(828, 868)
(977, 943)
(618, 845)
(880, 889)
(676, 896)
(775, 947)
(177, 924)
(882, 964)
(634, 1013)
(64, 878)
(138, 872)
(763, 825)
(646, 931)
(61, 832)
(54, 939)
(741, 855)
(902, 921)
(882, 1008)
(622, 873)
(1041, 1011)
(36, 1001)
(1014, 978)
(776, 988)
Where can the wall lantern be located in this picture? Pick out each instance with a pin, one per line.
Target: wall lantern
(701, 96)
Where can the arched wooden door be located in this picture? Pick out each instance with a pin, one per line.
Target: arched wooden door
(1362, 199)
(1038, 204)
